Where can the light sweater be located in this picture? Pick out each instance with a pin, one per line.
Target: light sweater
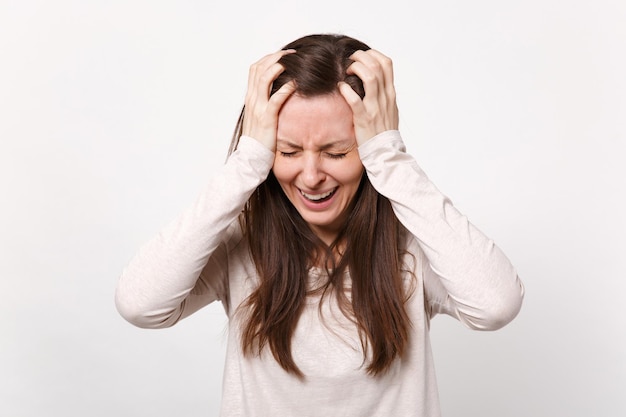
(201, 257)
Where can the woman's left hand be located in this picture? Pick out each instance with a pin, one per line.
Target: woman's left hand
(377, 111)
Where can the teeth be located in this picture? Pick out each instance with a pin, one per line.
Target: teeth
(315, 197)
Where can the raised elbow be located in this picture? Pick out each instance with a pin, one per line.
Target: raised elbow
(138, 313)
(499, 311)
(497, 318)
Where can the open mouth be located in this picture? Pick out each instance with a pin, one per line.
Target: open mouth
(319, 198)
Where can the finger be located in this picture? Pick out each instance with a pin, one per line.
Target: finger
(269, 59)
(385, 63)
(265, 80)
(352, 98)
(371, 81)
(378, 65)
(279, 97)
(262, 65)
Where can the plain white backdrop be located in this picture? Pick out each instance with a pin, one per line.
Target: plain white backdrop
(113, 114)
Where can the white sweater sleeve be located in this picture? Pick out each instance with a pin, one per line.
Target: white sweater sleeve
(465, 274)
(183, 267)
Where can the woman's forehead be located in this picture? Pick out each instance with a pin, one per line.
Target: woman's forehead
(327, 117)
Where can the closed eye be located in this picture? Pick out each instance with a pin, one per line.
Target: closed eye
(336, 155)
(287, 154)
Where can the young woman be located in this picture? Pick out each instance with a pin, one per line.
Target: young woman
(328, 246)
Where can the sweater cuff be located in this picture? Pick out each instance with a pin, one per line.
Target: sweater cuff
(252, 147)
(383, 139)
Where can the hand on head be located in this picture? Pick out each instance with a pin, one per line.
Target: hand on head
(261, 110)
(374, 114)
(378, 110)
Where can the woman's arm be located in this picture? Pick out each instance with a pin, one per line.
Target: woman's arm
(466, 276)
(184, 267)
(154, 288)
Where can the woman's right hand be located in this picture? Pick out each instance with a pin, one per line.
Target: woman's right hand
(260, 120)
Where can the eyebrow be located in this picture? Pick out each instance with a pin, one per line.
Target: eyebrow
(337, 144)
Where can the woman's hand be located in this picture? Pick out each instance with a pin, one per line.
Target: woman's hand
(378, 111)
(260, 118)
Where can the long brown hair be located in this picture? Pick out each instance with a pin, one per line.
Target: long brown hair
(284, 248)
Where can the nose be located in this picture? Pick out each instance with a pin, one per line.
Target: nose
(312, 171)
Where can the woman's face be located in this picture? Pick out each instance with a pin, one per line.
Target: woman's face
(317, 163)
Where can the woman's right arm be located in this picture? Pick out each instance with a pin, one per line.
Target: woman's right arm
(155, 288)
(183, 268)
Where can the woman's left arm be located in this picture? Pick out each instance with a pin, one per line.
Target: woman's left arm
(467, 275)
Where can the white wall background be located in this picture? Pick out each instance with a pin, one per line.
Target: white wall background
(113, 113)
